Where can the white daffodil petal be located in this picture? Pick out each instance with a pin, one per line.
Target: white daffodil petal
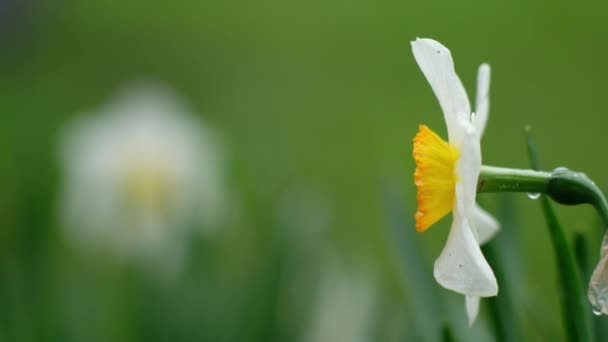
(472, 307)
(468, 167)
(435, 61)
(485, 224)
(482, 101)
(461, 267)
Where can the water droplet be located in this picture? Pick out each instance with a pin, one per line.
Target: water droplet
(533, 195)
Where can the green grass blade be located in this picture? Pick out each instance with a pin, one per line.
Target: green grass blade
(416, 280)
(500, 254)
(576, 312)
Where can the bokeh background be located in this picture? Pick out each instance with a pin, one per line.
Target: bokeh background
(316, 104)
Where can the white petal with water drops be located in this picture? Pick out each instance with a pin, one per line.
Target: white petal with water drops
(598, 286)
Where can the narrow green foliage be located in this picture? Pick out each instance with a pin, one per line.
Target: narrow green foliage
(582, 257)
(532, 151)
(576, 313)
(503, 253)
(415, 279)
(446, 334)
(502, 314)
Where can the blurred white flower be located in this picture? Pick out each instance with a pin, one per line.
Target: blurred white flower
(345, 307)
(141, 174)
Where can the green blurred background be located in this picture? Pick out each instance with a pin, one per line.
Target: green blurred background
(317, 103)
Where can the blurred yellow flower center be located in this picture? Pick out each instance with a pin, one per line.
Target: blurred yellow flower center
(148, 186)
(435, 177)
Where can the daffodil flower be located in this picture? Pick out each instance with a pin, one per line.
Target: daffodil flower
(446, 177)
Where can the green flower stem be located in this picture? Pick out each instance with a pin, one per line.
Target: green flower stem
(502, 179)
(562, 185)
(568, 187)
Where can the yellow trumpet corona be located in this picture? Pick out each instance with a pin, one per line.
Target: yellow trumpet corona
(435, 177)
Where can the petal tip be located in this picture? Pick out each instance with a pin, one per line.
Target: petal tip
(430, 45)
(472, 308)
